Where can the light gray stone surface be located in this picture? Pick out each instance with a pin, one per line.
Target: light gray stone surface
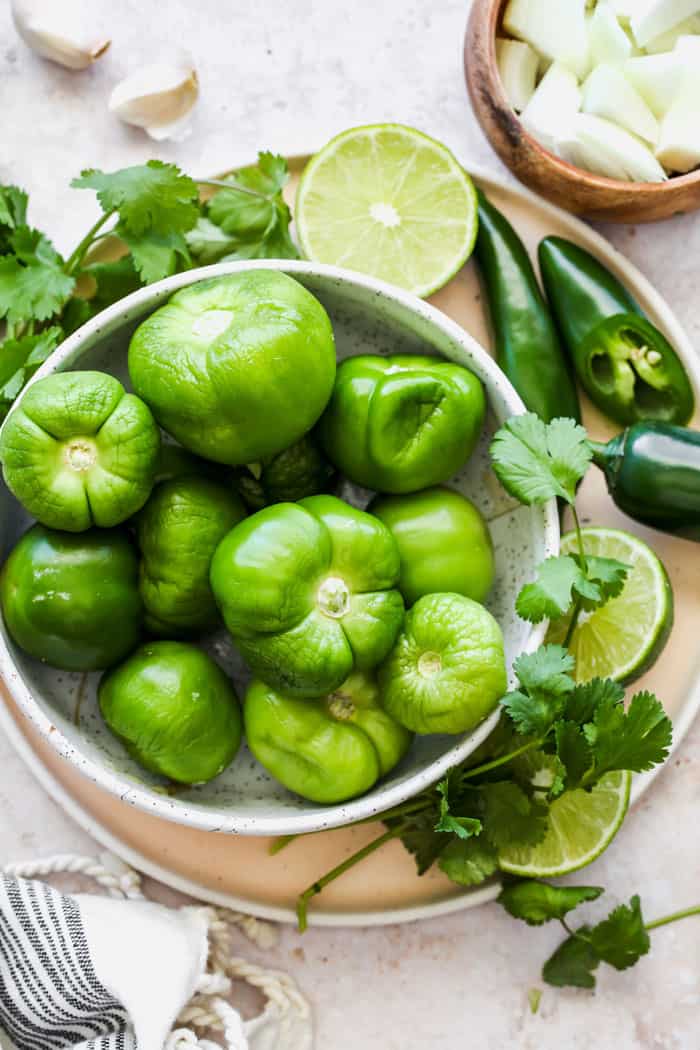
(286, 76)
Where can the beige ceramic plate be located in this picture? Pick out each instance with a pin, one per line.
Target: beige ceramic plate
(237, 871)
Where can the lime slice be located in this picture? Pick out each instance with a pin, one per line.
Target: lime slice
(390, 202)
(582, 825)
(622, 639)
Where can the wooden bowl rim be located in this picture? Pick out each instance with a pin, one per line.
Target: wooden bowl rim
(570, 171)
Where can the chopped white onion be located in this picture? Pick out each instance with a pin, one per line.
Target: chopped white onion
(679, 138)
(607, 39)
(517, 66)
(659, 17)
(557, 100)
(606, 93)
(555, 28)
(602, 147)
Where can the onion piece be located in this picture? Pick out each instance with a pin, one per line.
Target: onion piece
(607, 39)
(679, 139)
(606, 93)
(657, 78)
(557, 100)
(555, 28)
(659, 17)
(602, 147)
(517, 66)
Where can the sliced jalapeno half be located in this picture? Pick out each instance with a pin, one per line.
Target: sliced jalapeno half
(631, 372)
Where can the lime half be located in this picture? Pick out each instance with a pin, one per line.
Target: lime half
(582, 824)
(622, 639)
(390, 202)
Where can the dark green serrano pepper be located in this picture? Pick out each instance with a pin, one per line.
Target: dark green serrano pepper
(526, 341)
(653, 474)
(627, 367)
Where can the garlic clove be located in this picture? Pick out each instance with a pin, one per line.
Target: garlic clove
(57, 30)
(158, 98)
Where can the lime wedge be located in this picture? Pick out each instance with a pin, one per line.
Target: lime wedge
(622, 639)
(582, 825)
(390, 202)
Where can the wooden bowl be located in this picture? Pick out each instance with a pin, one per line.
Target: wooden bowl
(570, 187)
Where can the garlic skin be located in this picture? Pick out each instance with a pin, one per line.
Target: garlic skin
(159, 98)
(57, 30)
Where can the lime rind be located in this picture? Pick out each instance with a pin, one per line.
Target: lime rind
(389, 201)
(623, 638)
(582, 826)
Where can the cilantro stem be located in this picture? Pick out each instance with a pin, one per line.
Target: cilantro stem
(340, 869)
(572, 623)
(502, 760)
(76, 257)
(414, 805)
(674, 917)
(579, 538)
(219, 184)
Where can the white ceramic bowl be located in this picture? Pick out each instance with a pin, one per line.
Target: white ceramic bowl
(368, 317)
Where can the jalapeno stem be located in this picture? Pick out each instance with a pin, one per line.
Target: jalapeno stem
(340, 869)
(600, 453)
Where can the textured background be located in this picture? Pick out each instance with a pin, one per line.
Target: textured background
(286, 76)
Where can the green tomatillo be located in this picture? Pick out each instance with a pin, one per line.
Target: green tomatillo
(401, 423)
(298, 471)
(236, 368)
(79, 451)
(308, 592)
(443, 542)
(174, 710)
(70, 600)
(328, 750)
(447, 671)
(178, 531)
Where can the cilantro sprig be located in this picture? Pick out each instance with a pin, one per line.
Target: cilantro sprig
(156, 212)
(536, 462)
(620, 939)
(554, 736)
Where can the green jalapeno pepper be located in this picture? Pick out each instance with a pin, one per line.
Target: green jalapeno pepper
(526, 341)
(625, 364)
(653, 474)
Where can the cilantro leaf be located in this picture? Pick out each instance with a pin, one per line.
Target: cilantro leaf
(536, 461)
(608, 575)
(19, 360)
(463, 827)
(582, 702)
(152, 197)
(33, 285)
(548, 668)
(573, 963)
(636, 740)
(208, 242)
(510, 818)
(545, 678)
(468, 862)
(156, 255)
(13, 213)
(621, 939)
(249, 219)
(538, 902)
(573, 752)
(549, 596)
(542, 775)
(422, 840)
(114, 280)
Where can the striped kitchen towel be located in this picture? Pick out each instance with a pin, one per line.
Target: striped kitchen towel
(94, 973)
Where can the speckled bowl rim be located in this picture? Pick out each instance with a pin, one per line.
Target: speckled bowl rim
(382, 797)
